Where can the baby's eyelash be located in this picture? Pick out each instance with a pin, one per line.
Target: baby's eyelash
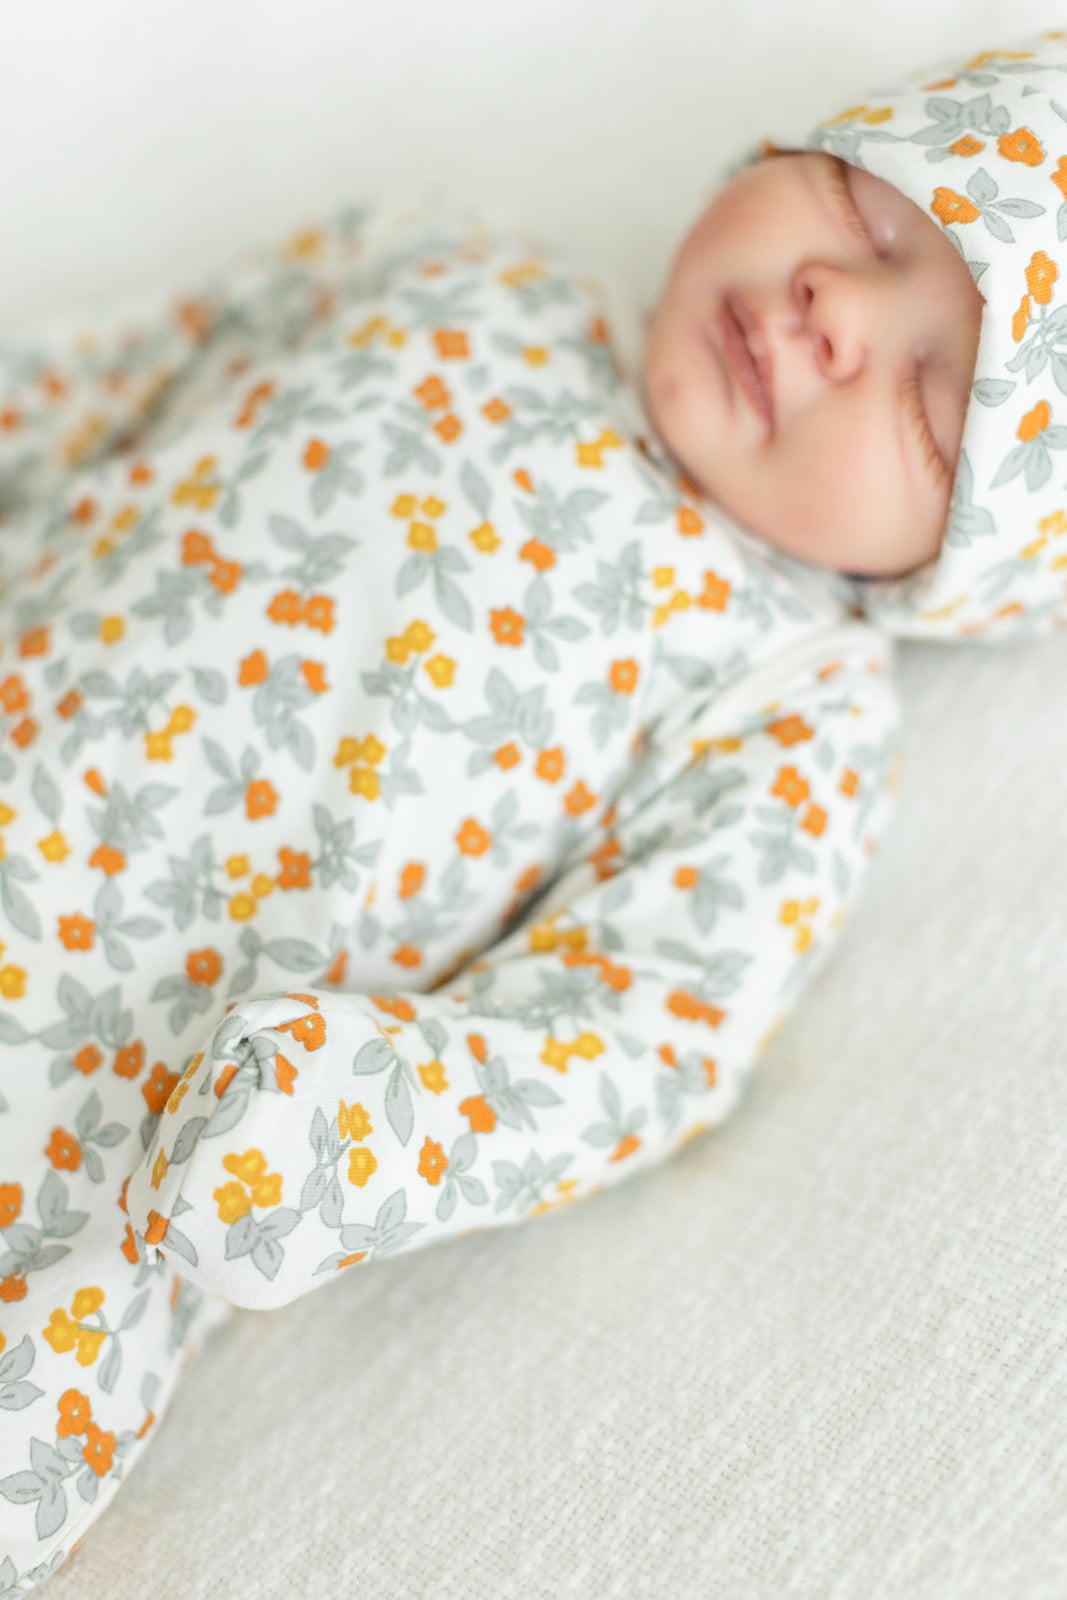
(913, 402)
(851, 211)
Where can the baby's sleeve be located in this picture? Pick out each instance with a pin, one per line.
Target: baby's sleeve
(615, 1022)
(76, 387)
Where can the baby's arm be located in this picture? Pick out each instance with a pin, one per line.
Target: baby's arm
(318, 1130)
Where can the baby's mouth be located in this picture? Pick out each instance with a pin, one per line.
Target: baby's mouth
(747, 354)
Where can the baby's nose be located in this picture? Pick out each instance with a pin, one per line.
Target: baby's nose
(836, 315)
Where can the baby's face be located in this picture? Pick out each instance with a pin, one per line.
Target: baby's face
(809, 363)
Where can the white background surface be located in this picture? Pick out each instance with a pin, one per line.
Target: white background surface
(145, 140)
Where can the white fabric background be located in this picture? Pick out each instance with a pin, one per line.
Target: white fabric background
(823, 1354)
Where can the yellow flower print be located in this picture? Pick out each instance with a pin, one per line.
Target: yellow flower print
(202, 488)
(65, 1332)
(353, 1121)
(158, 747)
(262, 884)
(403, 505)
(13, 982)
(422, 537)
(419, 636)
(433, 1076)
(251, 1169)
(363, 781)
(484, 538)
(442, 670)
(242, 906)
(797, 914)
(112, 629)
(237, 866)
(54, 846)
(181, 719)
(7, 814)
(362, 1164)
(535, 355)
(233, 1202)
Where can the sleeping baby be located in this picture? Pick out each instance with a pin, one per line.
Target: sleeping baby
(442, 736)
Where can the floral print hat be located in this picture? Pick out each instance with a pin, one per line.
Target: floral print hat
(981, 145)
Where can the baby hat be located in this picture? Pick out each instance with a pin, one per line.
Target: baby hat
(981, 146)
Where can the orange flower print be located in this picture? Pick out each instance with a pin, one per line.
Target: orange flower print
(790, 786)
(496, 410)
(1033, 423)
(690, 523)
(579, 800)
(75, 1413)
(204, 966)
(625, 1147)
(12, 1288)
(967, 146)
(686, 877)
(196, 547)
(253, 669)
(1041, 274)
(63, 1151)
(790, 730)
(88, 1059)
(814, 821)
(850, 782)
(35, 642)
(108, 859)
(403, 1010)
(412, 879)
(479, 1113)
(99, 1449)
(407, 955)
(225, 575)
(159, 1088)
(1059, 177)
(539, 555)
(287, 607)
(432, 1161)
(76, 932)
(507, 626)
(508, 756)
(25, 733)
(623, 676)
(448, 428)
(129, 1060)
(69, 705)
(314, 676)
(261, 799)
(472, 838)
(948, 207)
(318, 613)
(715, 594)
(682, 1004)
(296, 869)
(451, 344)
(1021, 145)
(308, 1030)
(13, 694)
(316, 455)
(10, 1203)
(433, 394)
(1021, 320)
(550, 765)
